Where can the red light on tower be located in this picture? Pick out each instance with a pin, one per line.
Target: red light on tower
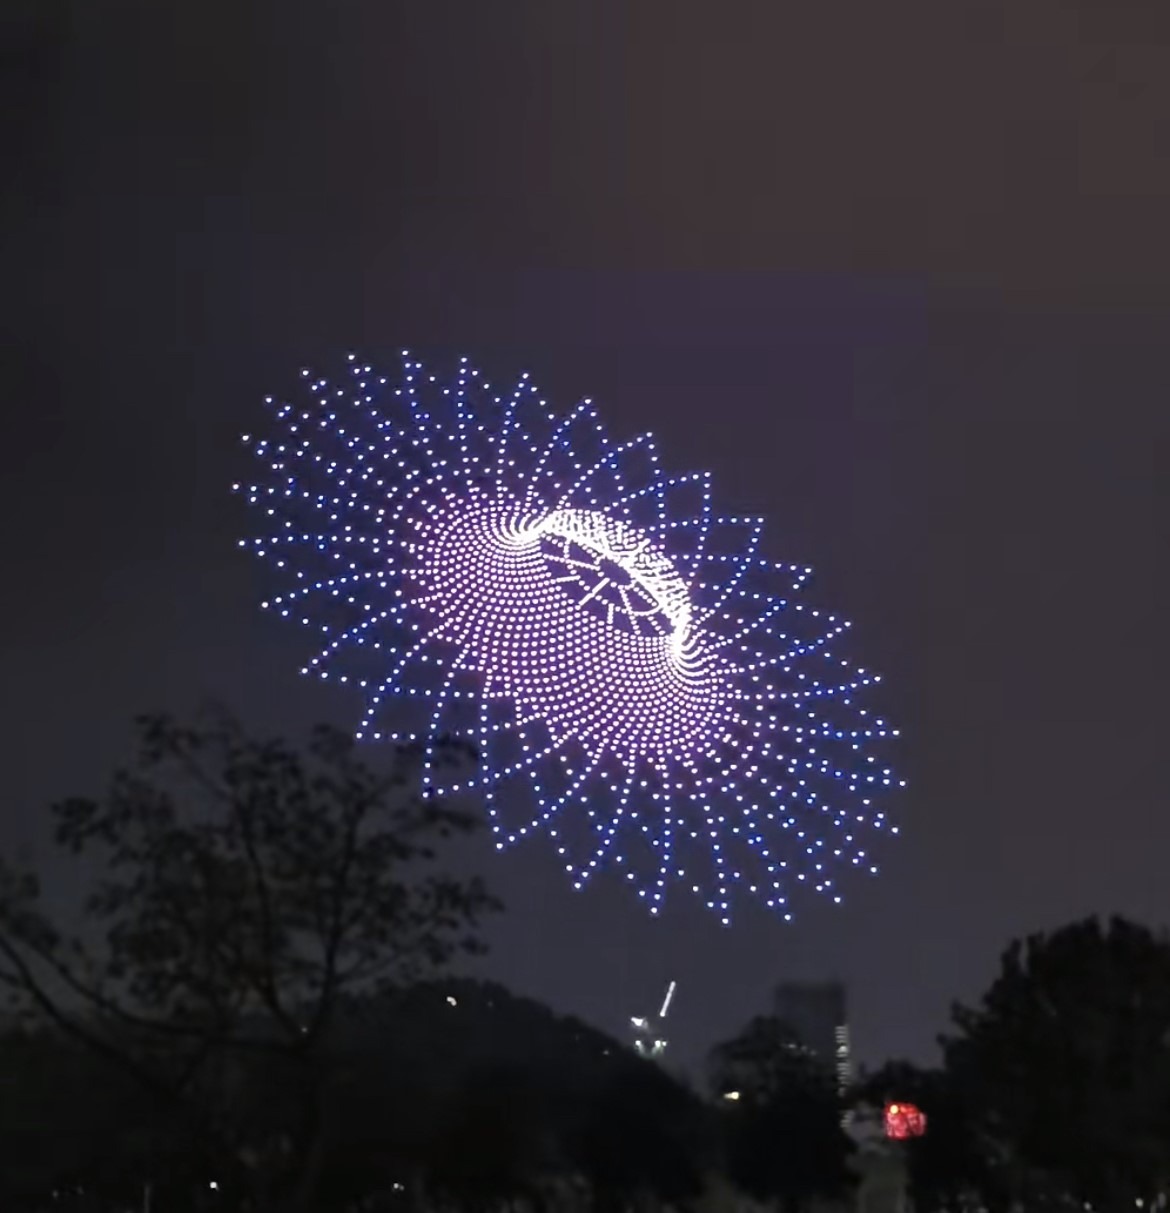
(903, 1121)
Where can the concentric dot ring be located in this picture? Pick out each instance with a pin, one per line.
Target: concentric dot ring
(512, 611)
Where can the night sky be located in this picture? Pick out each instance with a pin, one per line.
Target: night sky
(897, 273)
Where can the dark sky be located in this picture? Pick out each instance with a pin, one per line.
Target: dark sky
(898, 273)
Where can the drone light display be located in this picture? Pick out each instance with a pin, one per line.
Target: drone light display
(639, 683)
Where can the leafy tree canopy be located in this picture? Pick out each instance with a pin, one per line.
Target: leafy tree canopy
(784, 1134)
(1065, 1063)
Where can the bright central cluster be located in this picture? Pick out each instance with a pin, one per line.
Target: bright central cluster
(578, 621)
(637, 681)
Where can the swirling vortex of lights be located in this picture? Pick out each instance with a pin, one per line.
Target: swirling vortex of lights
(638, 681)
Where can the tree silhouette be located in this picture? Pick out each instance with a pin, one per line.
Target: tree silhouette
(494, 1143)
(946, 1168)
(65, 1120)
(458, 1093)
(465, 1094)
(1067, 1062)
(243, 890)
(642, 1135)
(785, 1141)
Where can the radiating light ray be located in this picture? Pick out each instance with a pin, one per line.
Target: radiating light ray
(609, 833)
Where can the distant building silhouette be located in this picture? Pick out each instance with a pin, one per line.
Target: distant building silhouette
(818, 1013)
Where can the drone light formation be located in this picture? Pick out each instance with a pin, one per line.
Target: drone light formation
(639, 683)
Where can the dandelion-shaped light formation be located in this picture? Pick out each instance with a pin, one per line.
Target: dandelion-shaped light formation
(637, 680)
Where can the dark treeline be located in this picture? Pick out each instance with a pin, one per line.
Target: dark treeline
(258, 1012)
(451, 1094)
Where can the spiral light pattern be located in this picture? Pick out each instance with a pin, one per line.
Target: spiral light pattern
(639, 683)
